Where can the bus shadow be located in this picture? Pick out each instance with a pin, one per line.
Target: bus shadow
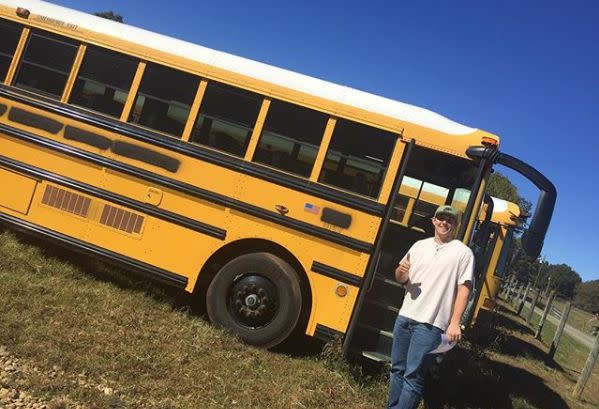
(470, 380)
(103, 271)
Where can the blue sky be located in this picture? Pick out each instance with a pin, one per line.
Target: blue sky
(527, 71)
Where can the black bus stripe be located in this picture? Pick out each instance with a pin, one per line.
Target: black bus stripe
(191, 190)
(114, 198)
(79, 135)
(239, 165)
(143, 154)
(336, 274)
(2, 109)
(156, 272)
(23, 117)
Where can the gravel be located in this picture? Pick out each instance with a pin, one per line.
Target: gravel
(11, 397)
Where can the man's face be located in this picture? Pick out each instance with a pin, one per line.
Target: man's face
(444, 227)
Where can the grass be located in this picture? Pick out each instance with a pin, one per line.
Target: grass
(87, 335)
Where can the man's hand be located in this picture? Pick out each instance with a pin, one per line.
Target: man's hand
(454, 332)
(402, 272)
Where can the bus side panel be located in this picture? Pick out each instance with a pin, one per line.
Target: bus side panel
(16, 191)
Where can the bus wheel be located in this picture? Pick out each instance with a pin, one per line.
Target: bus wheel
(257, 297)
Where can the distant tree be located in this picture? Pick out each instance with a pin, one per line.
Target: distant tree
(110, 15)
(587, 296)
(500, 187)
(564, 279)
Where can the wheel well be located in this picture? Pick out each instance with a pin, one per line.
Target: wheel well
(237, 248)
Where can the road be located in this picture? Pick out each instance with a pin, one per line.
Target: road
(584, 338)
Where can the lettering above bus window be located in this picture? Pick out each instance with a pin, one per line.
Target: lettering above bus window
(291, 137)
(164, 99)
(103, 81)
(9, 38)
(227, 118)
(46, 63)
(57, 23)
(358, 158)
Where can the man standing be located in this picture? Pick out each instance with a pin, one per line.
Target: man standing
(437, 274)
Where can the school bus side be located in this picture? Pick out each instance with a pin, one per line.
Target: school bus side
(505, 220)
(160, 203)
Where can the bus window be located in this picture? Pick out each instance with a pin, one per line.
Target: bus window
(433, 179)
(227, 118)
(291, 137)
(9, 38)
(357, 158)
(103, 81)
(164, 99)
(46, 63)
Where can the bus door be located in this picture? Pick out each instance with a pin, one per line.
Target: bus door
(430, 179)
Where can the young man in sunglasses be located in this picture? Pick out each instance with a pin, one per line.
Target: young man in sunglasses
(437, 275)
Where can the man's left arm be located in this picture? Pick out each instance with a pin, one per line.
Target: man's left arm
(454, 331)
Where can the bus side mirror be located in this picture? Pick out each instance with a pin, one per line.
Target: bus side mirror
(534, 236)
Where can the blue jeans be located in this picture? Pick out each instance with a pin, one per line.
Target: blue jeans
(410, 361)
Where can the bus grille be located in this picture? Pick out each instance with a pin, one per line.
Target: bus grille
(121, 219)
(67, 201)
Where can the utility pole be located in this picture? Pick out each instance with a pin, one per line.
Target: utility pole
(541, 261)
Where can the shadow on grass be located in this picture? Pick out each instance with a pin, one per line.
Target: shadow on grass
(104, 270)
(500, 338)
(512, 323)
(467, 379)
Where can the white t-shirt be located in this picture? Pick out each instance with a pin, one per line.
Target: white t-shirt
(436, 270)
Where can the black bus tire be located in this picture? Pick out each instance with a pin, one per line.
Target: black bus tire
(256, 297)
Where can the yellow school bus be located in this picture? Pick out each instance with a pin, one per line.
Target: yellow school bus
(505, 219)
(269, 194)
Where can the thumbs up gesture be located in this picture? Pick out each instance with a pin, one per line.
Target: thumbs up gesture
(402, 272)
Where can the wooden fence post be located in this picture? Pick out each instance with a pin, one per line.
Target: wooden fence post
(519, 293)
(560, 329)
(586, 372)
(545, 312)
(523, 300)
(533, 305)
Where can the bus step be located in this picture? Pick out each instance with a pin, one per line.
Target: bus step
(377, 357)
(379, 315)
(388, 281)
(376, 339)
(382, 305)
(386, 291)
(379, 331)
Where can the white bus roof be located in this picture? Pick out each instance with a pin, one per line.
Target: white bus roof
(285, 78)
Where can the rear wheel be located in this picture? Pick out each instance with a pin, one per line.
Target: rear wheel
(257, 297)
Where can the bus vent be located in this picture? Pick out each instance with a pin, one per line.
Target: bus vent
(121, 219)
(67, 201)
